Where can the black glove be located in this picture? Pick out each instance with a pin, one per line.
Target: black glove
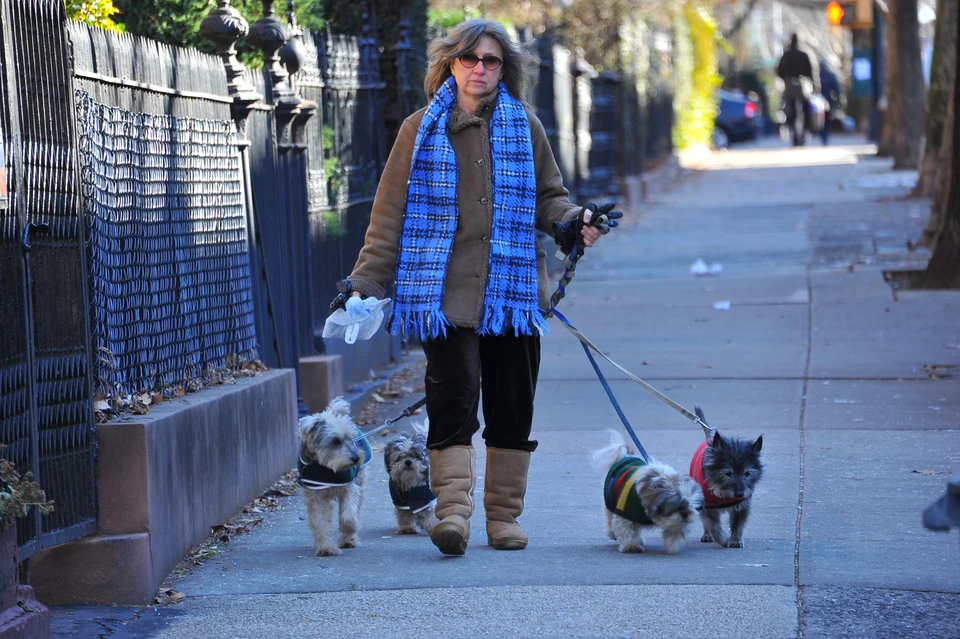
(567, 234)
(340, 301)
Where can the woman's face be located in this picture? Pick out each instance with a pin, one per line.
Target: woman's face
(479, 81)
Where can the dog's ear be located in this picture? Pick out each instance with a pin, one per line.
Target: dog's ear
(389, 450)
(339, 406)
(717, 440)
(310, 423)
(757, 445)
(420, 440)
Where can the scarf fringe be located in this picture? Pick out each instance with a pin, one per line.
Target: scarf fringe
(496, 321)
(425, 325)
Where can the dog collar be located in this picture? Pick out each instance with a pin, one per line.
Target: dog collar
(415, 499)
(710, 500)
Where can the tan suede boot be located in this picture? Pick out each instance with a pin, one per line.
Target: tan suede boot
(505, 486)
(453, 477)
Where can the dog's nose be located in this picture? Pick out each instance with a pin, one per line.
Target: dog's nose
(408, 463)
(355, 458)
(699, 509)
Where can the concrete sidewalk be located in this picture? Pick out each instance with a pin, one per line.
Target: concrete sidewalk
(814, 353)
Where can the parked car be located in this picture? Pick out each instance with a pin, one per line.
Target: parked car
(738, 119)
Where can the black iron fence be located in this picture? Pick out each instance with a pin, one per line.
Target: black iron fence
(45, 363)
(346, 154)
(606, 126)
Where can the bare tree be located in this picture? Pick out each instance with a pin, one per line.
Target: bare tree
(941, 74)
(739, 20)
(900, 137)
(943, 269)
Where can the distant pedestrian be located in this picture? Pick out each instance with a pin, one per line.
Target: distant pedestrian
(830, 90)
(800, 83)
(469, 181)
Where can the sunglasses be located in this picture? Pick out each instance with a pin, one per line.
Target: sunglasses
(490, 62)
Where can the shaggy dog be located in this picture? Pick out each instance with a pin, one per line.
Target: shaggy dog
(333, 453)
(728, 470)
(639, 495)
(408, 466)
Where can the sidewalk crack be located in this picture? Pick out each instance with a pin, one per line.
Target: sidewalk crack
(803, 412)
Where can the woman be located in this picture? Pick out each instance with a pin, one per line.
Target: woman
(470, 179)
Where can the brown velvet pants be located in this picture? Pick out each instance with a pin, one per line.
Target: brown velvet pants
(505, 367)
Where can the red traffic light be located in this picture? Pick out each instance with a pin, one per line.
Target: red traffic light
(835, 13)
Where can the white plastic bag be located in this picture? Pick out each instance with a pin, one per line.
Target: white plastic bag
(359, 320)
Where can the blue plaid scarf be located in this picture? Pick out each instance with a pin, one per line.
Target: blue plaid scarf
(430, 224)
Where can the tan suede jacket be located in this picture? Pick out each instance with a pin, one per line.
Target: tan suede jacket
(466, 278)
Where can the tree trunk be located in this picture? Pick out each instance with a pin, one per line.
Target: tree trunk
(901, 133)
(942, 178)
(941, 76)
(943, 270)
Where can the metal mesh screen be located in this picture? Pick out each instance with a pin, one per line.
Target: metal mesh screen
(170, 271)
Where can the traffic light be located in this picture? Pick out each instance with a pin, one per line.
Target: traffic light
(851, 13)
(835, 13)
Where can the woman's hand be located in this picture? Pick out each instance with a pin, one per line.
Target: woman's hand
(590, 233)
(565, 233)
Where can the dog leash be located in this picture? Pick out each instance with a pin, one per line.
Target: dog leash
(569, 271)
(407, 412)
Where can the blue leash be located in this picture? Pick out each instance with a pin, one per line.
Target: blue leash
(606, 386)
(569, 270)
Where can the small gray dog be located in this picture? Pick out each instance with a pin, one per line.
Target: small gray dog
(728, 470)
(638, 495)
(408, 466)
(333, 454)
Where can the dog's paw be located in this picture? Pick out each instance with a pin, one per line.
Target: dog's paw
(631, 548)
(328, 551)
(707, 539)
(673, 546)
(611, 535)
(407, 530)
(350, 542)
(734, 544)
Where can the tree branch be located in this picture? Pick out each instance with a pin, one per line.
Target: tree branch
(740, 20)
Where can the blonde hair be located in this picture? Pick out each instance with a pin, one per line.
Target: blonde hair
(518, 64)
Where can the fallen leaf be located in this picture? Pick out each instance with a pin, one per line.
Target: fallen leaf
(169, 596)
(377, 398)
(278, 492)
(928, 472)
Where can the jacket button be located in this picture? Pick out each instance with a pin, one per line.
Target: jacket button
(483, 200)
(484, 239)
(480, 162)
